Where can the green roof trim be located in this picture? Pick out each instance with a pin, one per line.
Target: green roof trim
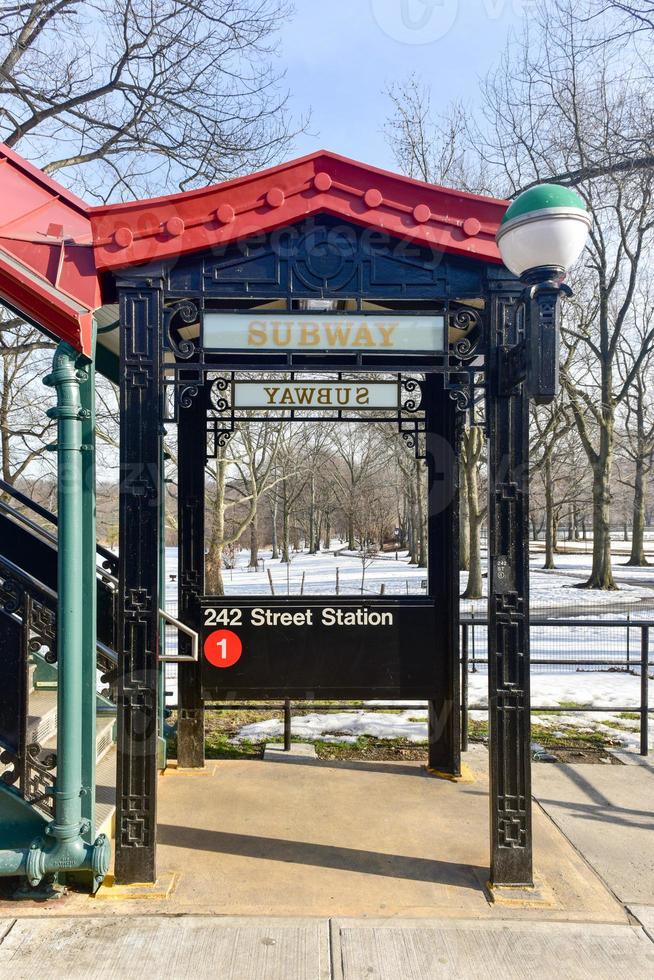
(542, 197)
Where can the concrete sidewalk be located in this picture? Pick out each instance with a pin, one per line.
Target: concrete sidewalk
(303, 868)
(607, 812)
(308, 837)
(199, 947)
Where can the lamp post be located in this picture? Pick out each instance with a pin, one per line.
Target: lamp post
(541, 236)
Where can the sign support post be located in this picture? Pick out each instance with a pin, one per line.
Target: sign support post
(192, 452)
(508, 609)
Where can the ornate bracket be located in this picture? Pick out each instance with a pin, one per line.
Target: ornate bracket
(180, 314)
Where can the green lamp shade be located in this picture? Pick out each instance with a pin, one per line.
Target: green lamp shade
(544, 226)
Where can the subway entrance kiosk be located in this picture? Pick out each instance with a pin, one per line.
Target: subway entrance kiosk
(325, 289)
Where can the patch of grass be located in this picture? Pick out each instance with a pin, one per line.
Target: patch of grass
(615, 724)
(218, 746)
(569, 736)
(368, 748)
(629, 715)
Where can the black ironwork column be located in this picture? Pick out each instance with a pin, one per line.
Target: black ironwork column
(444, 752)
(508, 604)
(138, 615)
(192, 451)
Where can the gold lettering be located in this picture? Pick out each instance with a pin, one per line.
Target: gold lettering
(337, 334)
(386, 334)
(256, 333)
(277, 334)
(309, 333)
(324, 396)
(363, 396)
(271, 392)
(287, 397)
(304, 396)
(363, 337)
(343, 396)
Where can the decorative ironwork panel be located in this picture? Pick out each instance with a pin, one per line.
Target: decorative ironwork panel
(508, 632)
(443, 557)
(138, 619)
(190, 509)
(327, 257)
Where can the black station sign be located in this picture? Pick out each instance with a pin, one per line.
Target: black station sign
(326, 647)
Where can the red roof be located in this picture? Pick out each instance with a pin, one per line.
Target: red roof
(53, 246)
(451, 221)
(47, 268)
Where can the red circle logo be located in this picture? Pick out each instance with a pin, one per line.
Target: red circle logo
(222, 648)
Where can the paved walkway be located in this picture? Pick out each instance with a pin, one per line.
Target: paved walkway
(199, 947)
(607, 812)
(289, 870)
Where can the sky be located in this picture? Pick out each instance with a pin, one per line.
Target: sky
(341, 54)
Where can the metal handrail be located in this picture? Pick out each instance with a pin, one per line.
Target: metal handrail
(46, 514)
(51, 538)
(33, 583)
(183, 628)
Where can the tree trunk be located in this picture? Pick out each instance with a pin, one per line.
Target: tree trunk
(475, 586)
(318, 538)
(351, 541)
(464, 522)
(312, 514)
(214, 557)
(254, 541)
(472, 448)
(328, 531)
(273, 522)
(549, 514)
(420, 516)
(286, 532)
(637, 556)
(601, 576)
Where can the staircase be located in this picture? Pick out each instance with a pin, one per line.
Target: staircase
(28, 672)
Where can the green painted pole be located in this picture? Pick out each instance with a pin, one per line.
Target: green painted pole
(70, 619)
(63, 847)
(89, 593)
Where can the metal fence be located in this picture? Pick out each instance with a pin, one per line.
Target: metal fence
(570, 644)
(575, 642)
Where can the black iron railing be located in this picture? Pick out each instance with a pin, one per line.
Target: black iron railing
(27, 627)
(589, 655)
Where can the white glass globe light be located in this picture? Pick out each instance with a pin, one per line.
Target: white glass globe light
(546, 226)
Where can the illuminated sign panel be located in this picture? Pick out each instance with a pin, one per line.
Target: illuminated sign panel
(316, 395)
(326, 332)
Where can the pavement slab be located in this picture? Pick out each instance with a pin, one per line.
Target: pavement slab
(347, 838)
(193, 947)
(429, 950)
(645, 915)
(232, 948)
(607, 812)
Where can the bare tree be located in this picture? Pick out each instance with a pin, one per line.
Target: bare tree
(557, 105)
(242, 472)
(637, 443)
(128, 96)
(124, 98)
(24, 357)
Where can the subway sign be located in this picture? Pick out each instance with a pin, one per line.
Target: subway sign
(321, 647)
(316, 395)
(323, 332)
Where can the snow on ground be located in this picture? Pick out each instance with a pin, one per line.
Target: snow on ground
(603, 689)
(318, 574)
(552, 594)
